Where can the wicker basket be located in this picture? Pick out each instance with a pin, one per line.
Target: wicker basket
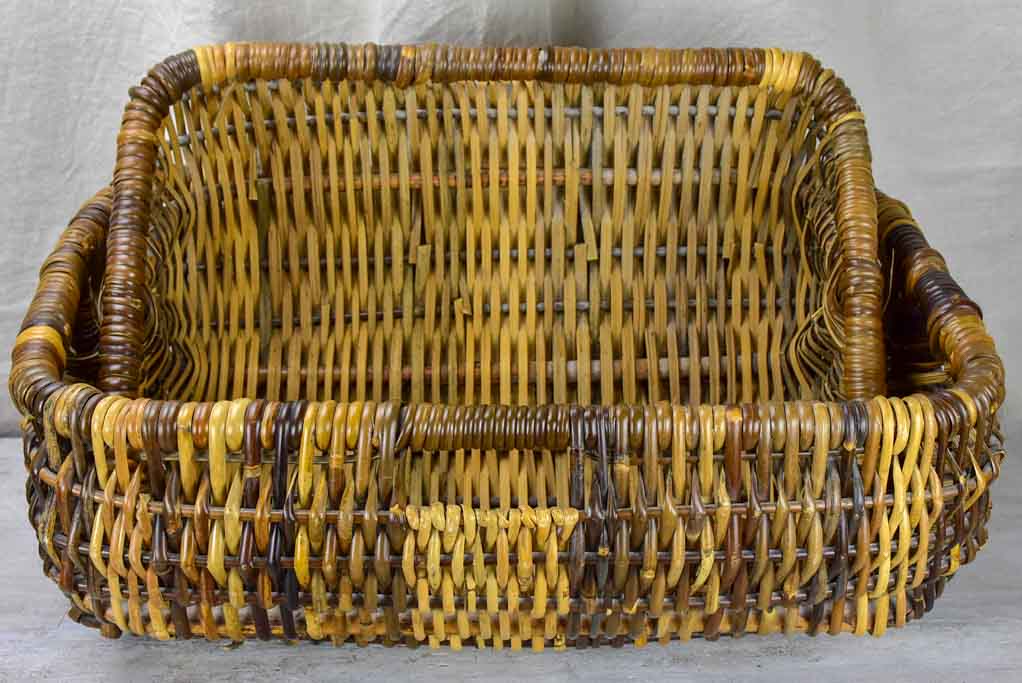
(550, 346)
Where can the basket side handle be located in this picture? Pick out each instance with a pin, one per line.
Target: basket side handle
(43, 348)
(953, 322)
(860, 284)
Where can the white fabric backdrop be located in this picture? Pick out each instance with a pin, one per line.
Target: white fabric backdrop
(938, 81)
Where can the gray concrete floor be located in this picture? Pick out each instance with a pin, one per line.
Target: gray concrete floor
(974, 633)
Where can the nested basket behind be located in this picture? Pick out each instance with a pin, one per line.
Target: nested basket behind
(551, 346)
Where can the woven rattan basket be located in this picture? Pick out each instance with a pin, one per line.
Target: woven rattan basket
(511, 346)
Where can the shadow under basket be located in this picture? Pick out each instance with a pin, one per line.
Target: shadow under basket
(500, 345)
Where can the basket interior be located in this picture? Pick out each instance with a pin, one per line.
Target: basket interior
(502, 242)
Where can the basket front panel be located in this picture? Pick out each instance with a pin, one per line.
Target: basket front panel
(362, 522)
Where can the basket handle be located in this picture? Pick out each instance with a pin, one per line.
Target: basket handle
(859, 287)
(55, 335)
(953, 322)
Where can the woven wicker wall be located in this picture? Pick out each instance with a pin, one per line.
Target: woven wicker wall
(512, 243)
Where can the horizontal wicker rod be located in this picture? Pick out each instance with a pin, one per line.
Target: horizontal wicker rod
(572, 253)
(582, 305)
(640, 371)
(949, 492)
(589, 558)
(749, 456)
(577, 605)
(416, 181)
(421, 114)
(330, 118)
